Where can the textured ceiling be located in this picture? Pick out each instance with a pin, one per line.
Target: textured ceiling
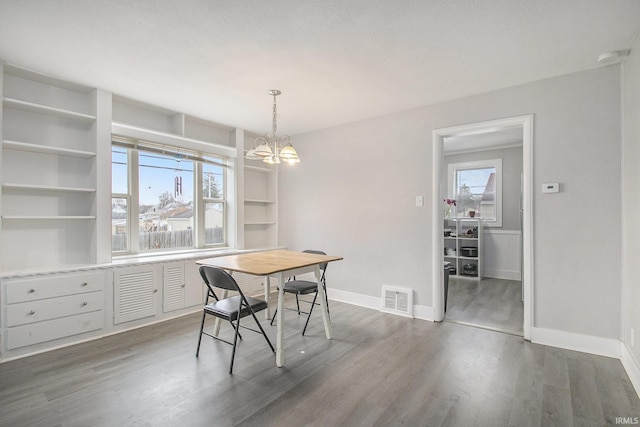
(335, 61)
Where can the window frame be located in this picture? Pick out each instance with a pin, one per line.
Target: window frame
(133, 148)
(452, 186)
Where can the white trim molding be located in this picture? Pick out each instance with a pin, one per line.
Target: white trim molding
(631, 365)
(608, 347)
(421, 312)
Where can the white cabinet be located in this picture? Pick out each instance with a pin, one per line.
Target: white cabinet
(463, 247)
(49, 172)
(135, 292)
(44, 308)
(182, 286)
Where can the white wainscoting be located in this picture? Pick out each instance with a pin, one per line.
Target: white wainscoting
(502, 254)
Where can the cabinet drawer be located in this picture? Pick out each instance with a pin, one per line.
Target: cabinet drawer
(35, 288)
(21, 336)
(52, 308)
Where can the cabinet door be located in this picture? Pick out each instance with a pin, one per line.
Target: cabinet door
(173, 287)
(194, 290)
(135, 293)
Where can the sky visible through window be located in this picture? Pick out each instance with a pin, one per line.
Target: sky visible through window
(475, 179)
(157, 175)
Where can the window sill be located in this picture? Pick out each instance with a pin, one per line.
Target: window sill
(132, 260)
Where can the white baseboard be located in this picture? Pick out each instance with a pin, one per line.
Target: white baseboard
(570, 341)
(502, 274)
(631, 365)
(422, 312)
(354, 298)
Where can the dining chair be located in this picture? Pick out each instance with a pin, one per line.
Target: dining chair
(231, 309)
(305, 287)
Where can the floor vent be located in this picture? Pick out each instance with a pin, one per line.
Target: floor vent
(397, 300)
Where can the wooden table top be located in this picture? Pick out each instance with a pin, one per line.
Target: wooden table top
(267, 262)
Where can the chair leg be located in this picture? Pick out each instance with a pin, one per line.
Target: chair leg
(235, 343)
(310, 311)
(264, 334)
(200, 337)
(298, 304)
(274, 316)
(237, 329)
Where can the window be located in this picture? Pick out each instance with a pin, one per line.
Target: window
(154, 202)
(119, 200)
(477, 186)
(213, 199)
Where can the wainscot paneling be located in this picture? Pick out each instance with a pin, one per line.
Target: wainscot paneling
(503, 254)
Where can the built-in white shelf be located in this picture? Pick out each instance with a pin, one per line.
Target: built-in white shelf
(260, 223)
(259, 169)
(46, 149)
(258, 201)
(47, 188)
(53, 134)
(32, 107)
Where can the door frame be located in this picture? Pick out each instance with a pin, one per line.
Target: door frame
(526, 122)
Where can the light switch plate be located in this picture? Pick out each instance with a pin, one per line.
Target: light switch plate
(552, 187)
(419, 201)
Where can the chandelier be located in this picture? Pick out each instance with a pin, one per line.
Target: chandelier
(271, 148)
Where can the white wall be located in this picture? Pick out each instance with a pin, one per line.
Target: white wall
(631, 197)
(354, 195)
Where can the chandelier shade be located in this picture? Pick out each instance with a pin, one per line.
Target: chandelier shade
(270, 148)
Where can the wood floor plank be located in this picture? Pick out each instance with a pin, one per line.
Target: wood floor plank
(556, 406)
(494, 303)
(378, 370)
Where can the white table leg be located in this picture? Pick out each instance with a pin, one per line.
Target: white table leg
(280, 320)
(267, 297)
(323, 304)
(216, 322)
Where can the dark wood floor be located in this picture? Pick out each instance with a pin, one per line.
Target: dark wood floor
(379, 370)
(490, 303)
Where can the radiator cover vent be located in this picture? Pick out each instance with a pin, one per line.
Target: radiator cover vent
(397, 300)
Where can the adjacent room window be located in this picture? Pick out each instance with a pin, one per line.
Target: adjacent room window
(155, 206)
(477, 187)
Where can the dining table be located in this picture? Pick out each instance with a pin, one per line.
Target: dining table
(279, 264)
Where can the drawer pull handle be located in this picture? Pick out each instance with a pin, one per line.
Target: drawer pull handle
(31, 313)
(155, 291)
(84, 284)
(31, 290)
(84, 303)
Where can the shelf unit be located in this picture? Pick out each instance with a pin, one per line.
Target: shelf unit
(49, 170)
(260, 205)
(460, 227)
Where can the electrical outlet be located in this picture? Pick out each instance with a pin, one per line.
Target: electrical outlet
(632, 336)
(419, 201)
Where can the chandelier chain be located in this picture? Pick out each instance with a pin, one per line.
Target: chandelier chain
(275, 114)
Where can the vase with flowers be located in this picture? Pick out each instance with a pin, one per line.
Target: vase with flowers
(450, 203)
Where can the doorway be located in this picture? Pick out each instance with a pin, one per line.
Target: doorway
(474, 135)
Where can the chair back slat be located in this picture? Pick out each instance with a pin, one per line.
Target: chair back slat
(218, 278)
(323, 266)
